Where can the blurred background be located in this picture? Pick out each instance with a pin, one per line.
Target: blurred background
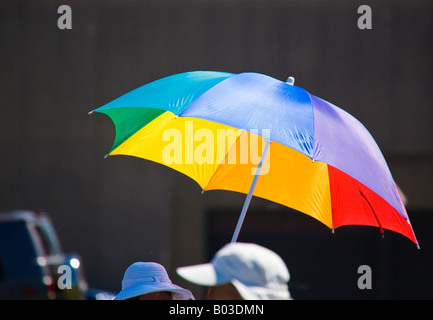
(119, 210)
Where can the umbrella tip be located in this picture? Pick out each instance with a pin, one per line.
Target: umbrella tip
(90, 112)
(106, 156)
(290, 80)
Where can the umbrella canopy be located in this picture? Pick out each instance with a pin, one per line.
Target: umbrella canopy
(219, 128)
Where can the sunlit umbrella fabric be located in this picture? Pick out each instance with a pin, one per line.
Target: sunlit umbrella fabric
(321, 160)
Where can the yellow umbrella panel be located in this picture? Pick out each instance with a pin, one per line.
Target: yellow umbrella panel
(217, 156)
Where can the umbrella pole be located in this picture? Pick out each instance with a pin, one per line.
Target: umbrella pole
(250, 193)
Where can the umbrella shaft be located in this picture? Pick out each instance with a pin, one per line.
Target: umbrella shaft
(250, 192)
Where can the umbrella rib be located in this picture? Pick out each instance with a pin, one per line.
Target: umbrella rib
(250, 193)
(374, 213)
(219, 165)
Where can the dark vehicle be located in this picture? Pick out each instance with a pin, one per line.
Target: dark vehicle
(32, 263)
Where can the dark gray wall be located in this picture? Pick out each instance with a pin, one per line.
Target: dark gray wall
(119, 210)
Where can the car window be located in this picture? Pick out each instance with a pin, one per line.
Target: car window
(49, 241)
(17, 251)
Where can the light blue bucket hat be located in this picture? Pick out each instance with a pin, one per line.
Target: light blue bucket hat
(147, 277)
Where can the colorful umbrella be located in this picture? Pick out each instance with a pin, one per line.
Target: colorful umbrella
(257, 135)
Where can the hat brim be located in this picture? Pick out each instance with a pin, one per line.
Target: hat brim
(202, 274)
(261, 293)
(179, 293)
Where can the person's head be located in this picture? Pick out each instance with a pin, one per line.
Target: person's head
(150, 281)
(158, 295)
(241, 271)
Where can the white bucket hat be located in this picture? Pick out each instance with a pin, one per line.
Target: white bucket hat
(257, 272)
(147, 277)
